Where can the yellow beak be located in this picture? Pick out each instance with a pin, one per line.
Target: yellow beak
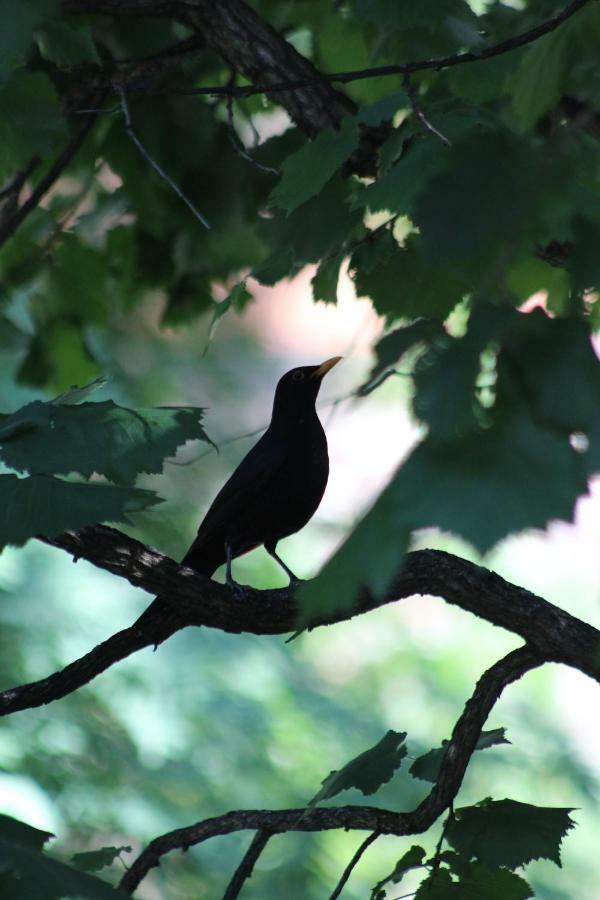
(326, 366)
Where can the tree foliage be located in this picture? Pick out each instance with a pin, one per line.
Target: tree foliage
(444, 155)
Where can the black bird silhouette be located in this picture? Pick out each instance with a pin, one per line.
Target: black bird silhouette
(277, 487)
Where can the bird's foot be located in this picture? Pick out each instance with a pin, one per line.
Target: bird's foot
(240, 590)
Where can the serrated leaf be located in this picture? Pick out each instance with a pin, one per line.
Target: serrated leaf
(538, 79)
(31, 121)
(427, 766)
(475, 882)
(325, 282)
(31, 875)
(101, 438)
(94, 860)
(17, 832)
(399, 281)
(367, 771)
(437, 886)
(509, 833)
(238, 297)
(23, 18)
(318, 228)
(527, 473)
(47, 506)
(66, 45)
(307, 170)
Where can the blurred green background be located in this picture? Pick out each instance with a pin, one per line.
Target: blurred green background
(213, 722)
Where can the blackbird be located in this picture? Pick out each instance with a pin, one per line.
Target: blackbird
(278, 485)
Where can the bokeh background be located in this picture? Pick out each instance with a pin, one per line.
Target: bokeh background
(213, 722)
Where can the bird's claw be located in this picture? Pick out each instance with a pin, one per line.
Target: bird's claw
(240, 590)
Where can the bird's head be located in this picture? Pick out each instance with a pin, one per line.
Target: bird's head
(297, 390)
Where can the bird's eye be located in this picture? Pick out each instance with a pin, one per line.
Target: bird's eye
(298, 376)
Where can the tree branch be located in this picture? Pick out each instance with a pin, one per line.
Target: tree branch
(458, 752)
(246, 867)
(370, 839)
(251, 46)
(187, 10)
(11, 223)
(189, 599)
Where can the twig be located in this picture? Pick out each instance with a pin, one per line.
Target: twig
(438, 63)
(8, 228)
(418, 110)
(18, 180)
(246, 867)
(157, 168)
(353, 862)
(239, 147)
(379, 821)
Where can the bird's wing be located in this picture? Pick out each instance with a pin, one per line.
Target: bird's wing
(245, 489)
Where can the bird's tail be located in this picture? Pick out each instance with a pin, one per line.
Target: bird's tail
(205, 555)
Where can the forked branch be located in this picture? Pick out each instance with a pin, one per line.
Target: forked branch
(456, 758)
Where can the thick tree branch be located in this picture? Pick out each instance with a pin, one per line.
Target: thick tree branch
(249, 45)
(458, 752)
(202, 9)
(187, 598)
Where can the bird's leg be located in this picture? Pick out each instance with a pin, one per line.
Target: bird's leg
(229, 580)
(294, 580)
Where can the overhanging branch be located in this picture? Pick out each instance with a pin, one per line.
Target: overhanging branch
(192, 599)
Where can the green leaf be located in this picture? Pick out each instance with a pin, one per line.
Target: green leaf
(77, 277)
(509, 833)
(525, 472)
(21, 833)
(412, 859)
(47, 506)
(438, 886)
(367, 771)
(31, 121)
(101, 438)
(397, 190)
(94, 860)
(66, 45)
(28, 874)
(305, 172)
(325, 282)
(538, 81)
(532, 275)
(23, 19)
(475, 882)
(552, 363)
(399, 281)
(391, 348)
(427, 766)
(315, 230)
(495, 194)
